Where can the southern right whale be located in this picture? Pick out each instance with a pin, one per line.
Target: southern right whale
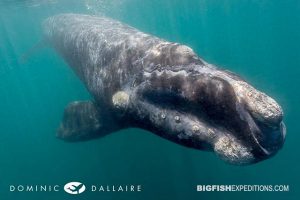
(139, 80)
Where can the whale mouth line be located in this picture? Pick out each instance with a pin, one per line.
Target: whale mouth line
(229, 144)
(200, 133)
(271, 137)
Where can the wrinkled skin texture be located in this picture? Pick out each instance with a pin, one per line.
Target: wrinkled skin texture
(138, 80)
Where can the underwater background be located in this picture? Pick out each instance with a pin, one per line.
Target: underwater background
(257, 39)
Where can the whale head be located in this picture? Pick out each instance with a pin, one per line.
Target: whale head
(255, 123)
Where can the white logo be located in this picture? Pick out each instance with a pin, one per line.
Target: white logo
(74, 188)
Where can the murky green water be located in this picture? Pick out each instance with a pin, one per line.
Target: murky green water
(257, 39)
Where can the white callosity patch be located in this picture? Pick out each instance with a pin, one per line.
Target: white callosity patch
(230, 150)
(183, 54)
(157, 49)
(261, 106)
(169, 72)
(184, 50)
(195, 128)
(120, 100)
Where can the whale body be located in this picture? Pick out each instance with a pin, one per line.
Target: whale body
(139, 80)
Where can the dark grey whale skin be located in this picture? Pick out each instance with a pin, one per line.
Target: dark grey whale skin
(139, 80)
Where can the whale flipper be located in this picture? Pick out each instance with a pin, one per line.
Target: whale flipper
(82, 120)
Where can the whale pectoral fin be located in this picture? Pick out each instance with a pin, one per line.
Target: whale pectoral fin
(82, 120)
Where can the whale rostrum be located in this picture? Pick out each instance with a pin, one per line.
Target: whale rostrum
(139, 80)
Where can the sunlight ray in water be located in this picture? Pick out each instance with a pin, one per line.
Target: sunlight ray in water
(27, 3)
(103, 6)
